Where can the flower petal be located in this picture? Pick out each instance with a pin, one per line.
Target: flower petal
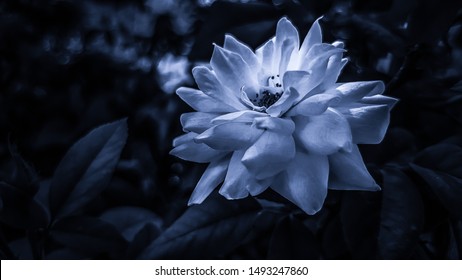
(354, 91)
(279, 125)
(334, 68)
(348, 172)
(314, 105)
(197, 121)
(284, 103)
(212, 177)
(285, 30)
(230, 136)
(313, 37)
(287, 48)
(243, 50)
(304, 182)
(246, 116)
(319, 55)
(186, 149)
(287, 40)
(232, 71)
(323, 134)
(368, 124)
(269, 155)
(265, 54)
(202, 102)
(237, 177)
(208, 83)
(380, 100)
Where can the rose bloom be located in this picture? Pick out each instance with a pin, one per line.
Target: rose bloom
(276, 118)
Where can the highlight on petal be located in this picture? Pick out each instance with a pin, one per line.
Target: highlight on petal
(354, 91)
(229, 136)
(246, 116)
(202, 102)
(284, 103)
(380, 100)
(304, 182)
(279, 125)
(313, 37)
(314, 105)
(348, 172)
(319, 55)
(243, 50)
(285, 30)
(285, 45)
(186, 149)
(212, 177)
(269, 155)
(368, 123)
(324, 134)
(265, 54)
(208, 83)
(197, 121)
(232, 71)
(237, 177)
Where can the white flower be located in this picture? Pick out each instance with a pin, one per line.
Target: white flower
(277, 118)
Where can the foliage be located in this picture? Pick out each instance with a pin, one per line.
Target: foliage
(86, 128)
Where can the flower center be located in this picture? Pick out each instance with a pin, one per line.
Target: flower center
(270, 93)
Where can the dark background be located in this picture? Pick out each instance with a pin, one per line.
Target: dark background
(68, 67)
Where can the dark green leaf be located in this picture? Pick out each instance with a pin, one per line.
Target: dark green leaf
(402, 216)
(360, 216)
(20, 210)
(21, 249)
(291, 239)
(90, 236)
(447, 188)
(204, 231)
(87, 168)
(442, 157)
(142, 239)
(130, 220)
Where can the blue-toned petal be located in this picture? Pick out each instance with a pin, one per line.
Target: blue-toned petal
(197, 121)
(230, 136)
(319, 55)
(246, 116)
(286, 42)
(285, 30)
(354, 91)
(313, 37)
(334, 68)
(323, 134)
(348, 172)
(304, 183)
(256, 187)
(278, 125)
(295, 79)
(265, 54)
(284, 103)
(245, 100)
(202, 102)
(232, 71)
(237, 177)
(243, 50)
(208, 83)
(379, 100)
(369, 123)
(314, 105)
(212, 177)
(287, 48)
(186, 149)
(269, 155)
